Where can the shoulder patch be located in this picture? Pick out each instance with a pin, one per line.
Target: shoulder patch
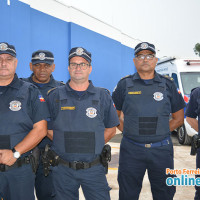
(128, 76)
(167, 77)
(51, 90)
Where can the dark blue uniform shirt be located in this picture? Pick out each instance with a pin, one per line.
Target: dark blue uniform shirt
(146, 106)
(177, 101)
(193, 107)
(44, 88)
(108, 111)
(36, 107)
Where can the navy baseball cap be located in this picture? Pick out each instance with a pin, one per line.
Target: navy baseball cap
(6, 48)
(144, 46)
(81, 52)
(42, 56)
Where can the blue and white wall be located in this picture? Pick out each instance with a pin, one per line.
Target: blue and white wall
(50, 24)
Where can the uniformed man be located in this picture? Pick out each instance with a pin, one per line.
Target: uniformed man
(146, 100)
(192, 112)
(42, 65)
(84, 119)
(22, 126)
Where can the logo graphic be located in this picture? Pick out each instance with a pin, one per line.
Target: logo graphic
(79, 51)
(15, 105)
(144, 46)
(41, 56)
(91, 112)
(41, 98)
(3, 46)
(158, 96)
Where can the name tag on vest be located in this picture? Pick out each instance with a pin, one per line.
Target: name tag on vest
(68, 108)
(135, 92)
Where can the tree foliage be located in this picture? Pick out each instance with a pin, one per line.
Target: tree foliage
(197, 49)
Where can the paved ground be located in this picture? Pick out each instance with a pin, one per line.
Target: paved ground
(182, 160)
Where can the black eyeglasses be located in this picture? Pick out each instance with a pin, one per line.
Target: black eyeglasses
(142, 57)
(76, 65)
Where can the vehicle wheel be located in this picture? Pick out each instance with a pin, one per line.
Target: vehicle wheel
(183, 137)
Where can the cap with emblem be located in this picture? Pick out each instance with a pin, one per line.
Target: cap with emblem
(42, 56)
(81, 52)
(144, 46)
(6, 48)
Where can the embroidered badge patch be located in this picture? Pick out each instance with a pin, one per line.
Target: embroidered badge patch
(144, 46)
(41, 98)
(15, 105)
(3, 47)
(158, 96)
(41, 56)
(79, 51)
(91, 112)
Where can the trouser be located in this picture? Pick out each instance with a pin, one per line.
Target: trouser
(43, 184)
(93, 181)
(4, 189)
(133, 163)
(18, 183)
(197, 193)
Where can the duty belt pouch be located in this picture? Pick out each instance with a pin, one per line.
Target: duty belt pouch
(5, 142)
(79, 142)
(106, 156)
(34, 159)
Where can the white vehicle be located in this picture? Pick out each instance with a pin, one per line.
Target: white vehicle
(186, 75)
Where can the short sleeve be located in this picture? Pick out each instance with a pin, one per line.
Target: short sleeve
(53, 106)
(118, 95)
(177, 101)
(192, 107)
(110, 117)
(37, 106)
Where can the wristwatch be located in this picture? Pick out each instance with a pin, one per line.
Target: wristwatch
(16, 154)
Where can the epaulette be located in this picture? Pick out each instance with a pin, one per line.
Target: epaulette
(51, 90)
(193, 89)
(168, 77)
(105, 89)
(125, 77)
(62, 82)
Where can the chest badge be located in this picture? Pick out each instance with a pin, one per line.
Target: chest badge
(15, 105)
(158, 96)
(91, 112)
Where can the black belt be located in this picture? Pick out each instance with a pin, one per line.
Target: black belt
(79, 164)
(18, 163)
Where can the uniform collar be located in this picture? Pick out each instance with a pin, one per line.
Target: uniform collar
(50, 83)
(156, 78)
(15, 82)
(90, 88)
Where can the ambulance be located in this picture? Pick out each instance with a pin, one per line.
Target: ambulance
(186, 75)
